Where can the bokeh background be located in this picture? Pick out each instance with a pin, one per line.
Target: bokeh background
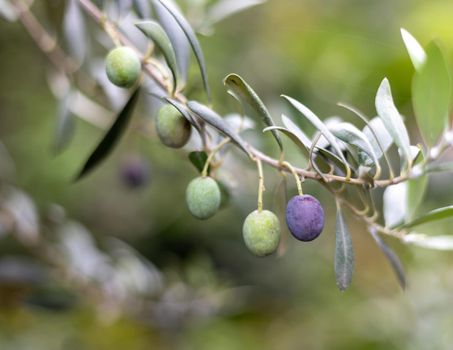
(186, 284)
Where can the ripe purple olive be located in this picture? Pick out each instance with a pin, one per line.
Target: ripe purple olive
(135, 172)
(305, 217)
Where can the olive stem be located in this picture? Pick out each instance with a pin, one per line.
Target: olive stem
(213, 152)
(261, 187)
(296, 177)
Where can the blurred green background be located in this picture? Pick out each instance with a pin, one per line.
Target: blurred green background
(213, 294)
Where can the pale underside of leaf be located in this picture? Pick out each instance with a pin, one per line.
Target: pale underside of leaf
(344, 253)
(414, 49)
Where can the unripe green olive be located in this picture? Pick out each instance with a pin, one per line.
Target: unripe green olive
(123, 66)
(203, 197)
(261, 232)
(172, 128)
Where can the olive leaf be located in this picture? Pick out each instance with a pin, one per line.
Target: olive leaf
(240, 89)
(198, 159)
(344, 252)
(65, 123)
(318, 124)
(296, 140)
(349, 134)
(225, 8)
(193, 41)
(157, 34)
(440, 168)
(431, 94)
(430, 242)
(291, 126)
(141, 8)
(216, 121)
(392, 120)
(416, 188)
(177, 37)
(434, 215)
(415, 50)
(393, 259)
(112, 136)
(74, 27)
(395, 204)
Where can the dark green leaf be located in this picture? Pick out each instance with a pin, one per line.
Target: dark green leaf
(434, 215)
(65, 123)
(431, 93)
(344, 253)
(242, 90)
(192, 38)
(156, 33)
(198, 159)
(392, 258)
(111, 137)
(216, 121)
(392, 120)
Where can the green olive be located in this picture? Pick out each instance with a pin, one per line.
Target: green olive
(123, 67)
(203, 197)
(261, 232)
(172, 128)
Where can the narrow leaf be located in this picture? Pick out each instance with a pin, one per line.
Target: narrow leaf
(391, 118)
(242, 90)
(431, 242)
(292, 136)
(156, 33)
(186, 114)
(395, 205)
(440, 168)
(141, 8)
(65, 123)
(415, 50)
(318, 124)
(198, 159)
(434, 215)
(393, 259)
(193, 41)
(344, 253)
(225, 8)
(431, 93)
(177, 37)
(291, 126)
(75, 30)
(112, 136)
(416, 189)
(216, 121)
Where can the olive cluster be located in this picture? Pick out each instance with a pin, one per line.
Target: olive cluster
(261, 229)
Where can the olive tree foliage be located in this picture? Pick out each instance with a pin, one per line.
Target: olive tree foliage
(349, 160)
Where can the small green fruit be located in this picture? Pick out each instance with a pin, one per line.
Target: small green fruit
(172, 128)
(203, 197)
(261, 232)
(123, 67)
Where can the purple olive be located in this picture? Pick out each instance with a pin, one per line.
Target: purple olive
(135, 172)
(305, 217)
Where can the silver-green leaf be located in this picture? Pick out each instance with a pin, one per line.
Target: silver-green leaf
(414, 49)
(434, 215)
(344, 253)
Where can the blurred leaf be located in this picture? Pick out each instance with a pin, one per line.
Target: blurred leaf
(215, 120)
(416, 189)
(242, 90)
(318, 124)
(74, 30)
(156, 33)
(431, 93)
(112, 136)
(225, 194)
(7, 11)
(141, 8)
(392, 119)
(395, 205)
(65, 123)
(198, 159)
(183, 110)
(391, 257)
(293, 137)
(280, 199)
(434, 215)
(123, 6)
(190, 34)
(177, 37)
(415, 50)
(439, 168)
(431, 242)
(344, 253)
(349, 134)
(225, 8)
